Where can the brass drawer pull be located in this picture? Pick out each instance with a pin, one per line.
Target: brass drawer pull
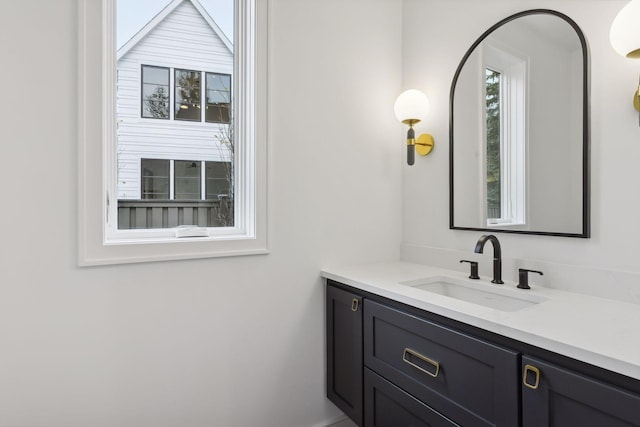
(536, 372)
(431, 362)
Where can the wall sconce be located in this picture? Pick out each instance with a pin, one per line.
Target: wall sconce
(625, 37)
(411, 107)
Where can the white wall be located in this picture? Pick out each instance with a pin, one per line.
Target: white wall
(221, 342)
(436, 35)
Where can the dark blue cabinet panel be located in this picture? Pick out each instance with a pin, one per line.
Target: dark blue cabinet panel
(389, 406)
(344, 352)
(566, 398)
(470, 381)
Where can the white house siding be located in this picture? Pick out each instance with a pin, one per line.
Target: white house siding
(182, 40)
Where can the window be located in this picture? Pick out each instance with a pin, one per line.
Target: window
(187, 180)
(235, 174)
(187, 95)
(218, 98)
(505, 77)
(188, 101)
(155, 92)
(155, 179)
(494, 128)
(218, 180)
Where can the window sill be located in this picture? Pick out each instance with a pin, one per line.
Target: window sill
(169, 248)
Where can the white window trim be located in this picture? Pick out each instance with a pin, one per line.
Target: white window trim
(97, 244)
(513, 134)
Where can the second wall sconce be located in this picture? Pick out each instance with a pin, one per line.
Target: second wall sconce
(625, 37)
(410, 108)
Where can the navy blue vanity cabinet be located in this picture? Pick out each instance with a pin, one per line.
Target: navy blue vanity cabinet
(344, 352)
(555, 396)
(390, 406)
(393, 365)
(469, 381)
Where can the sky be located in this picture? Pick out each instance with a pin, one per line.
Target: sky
(134, 14)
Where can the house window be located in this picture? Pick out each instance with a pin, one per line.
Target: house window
(187, 88)
(218, 176)
(155, 92)
(187, 180)
(183, 180)
(155, 179)
(218, 89)
(187, 95)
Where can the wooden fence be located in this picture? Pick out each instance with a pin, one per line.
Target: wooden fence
(168, 214)
(493, 211)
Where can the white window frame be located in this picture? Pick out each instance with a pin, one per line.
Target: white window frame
(99, 240)
(513, 135)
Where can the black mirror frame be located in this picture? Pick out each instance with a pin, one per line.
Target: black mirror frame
(586, 135)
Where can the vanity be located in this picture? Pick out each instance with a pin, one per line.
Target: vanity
(416, 345)
(404, 349)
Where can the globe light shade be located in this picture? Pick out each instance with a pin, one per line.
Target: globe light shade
(412, 106)
(625, 31)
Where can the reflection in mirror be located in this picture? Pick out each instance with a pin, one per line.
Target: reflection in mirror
(519, 129)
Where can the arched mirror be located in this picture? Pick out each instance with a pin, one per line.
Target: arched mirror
(519, 129)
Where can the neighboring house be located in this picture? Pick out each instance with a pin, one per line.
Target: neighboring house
(173, 111)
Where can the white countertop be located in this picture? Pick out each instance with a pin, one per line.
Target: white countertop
(599, 331)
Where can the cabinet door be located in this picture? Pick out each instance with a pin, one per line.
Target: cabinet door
(344, 351)
(554, 396)
(388, 406)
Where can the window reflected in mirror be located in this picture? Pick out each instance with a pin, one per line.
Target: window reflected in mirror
(494, 191)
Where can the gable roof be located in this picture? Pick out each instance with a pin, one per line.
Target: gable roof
(162, 15)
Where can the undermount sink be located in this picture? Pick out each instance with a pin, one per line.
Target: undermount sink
(493, 296)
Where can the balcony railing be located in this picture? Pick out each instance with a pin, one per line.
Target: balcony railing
(134, 214)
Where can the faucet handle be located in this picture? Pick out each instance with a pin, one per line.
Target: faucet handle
(523, 276)
(474, 268)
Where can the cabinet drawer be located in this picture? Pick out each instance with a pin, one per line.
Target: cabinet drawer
(472, 382)
(389, 406)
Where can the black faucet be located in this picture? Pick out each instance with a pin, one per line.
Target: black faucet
(497, 255)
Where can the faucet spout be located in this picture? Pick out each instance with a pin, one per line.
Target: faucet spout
(497, 255)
